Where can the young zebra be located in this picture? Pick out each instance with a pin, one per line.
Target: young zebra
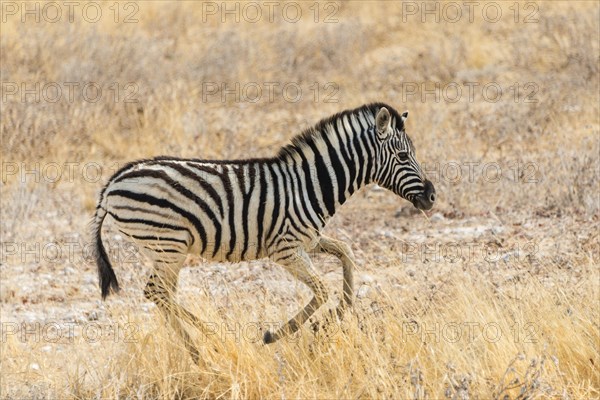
(249, 209)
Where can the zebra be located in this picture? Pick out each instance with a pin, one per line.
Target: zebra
(275, 208)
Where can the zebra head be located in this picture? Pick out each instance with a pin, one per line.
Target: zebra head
(398, 169)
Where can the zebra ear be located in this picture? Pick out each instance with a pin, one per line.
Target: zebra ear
(382, 122)
(404, 116)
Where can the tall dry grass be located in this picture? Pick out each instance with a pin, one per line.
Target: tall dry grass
(470, 341)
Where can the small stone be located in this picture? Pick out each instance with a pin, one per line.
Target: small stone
(147, 307)
(437, 217)
(497, 230)
(363, 291)
(386, 234)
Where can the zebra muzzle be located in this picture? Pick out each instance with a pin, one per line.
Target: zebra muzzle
(426, 199)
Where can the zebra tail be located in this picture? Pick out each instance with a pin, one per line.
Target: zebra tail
(106, 274)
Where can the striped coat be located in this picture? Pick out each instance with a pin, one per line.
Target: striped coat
(254, 208)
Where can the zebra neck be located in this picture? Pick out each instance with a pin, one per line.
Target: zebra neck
(332, 164)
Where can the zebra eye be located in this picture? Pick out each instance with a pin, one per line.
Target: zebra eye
(402, 155)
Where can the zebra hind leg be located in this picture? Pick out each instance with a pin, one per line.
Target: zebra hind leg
(160, 289)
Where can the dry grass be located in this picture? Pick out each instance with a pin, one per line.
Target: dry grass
(535, 181)
(470, 341)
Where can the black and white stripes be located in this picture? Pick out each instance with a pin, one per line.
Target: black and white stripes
(270, 207)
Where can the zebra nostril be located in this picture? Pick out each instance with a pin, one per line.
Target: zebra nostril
(432, 197)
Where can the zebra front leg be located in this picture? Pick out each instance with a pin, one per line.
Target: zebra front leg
(344, 253)
(161, 290)
(300, 266)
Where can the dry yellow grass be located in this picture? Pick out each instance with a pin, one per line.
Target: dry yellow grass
(522, 323)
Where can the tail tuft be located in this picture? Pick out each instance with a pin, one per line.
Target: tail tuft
(106, 274)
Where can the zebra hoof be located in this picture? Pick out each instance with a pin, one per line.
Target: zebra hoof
(268, 338)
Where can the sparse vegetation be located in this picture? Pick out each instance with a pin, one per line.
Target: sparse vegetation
(493, 294)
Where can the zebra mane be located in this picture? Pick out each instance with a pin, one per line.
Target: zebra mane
(315, 132)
